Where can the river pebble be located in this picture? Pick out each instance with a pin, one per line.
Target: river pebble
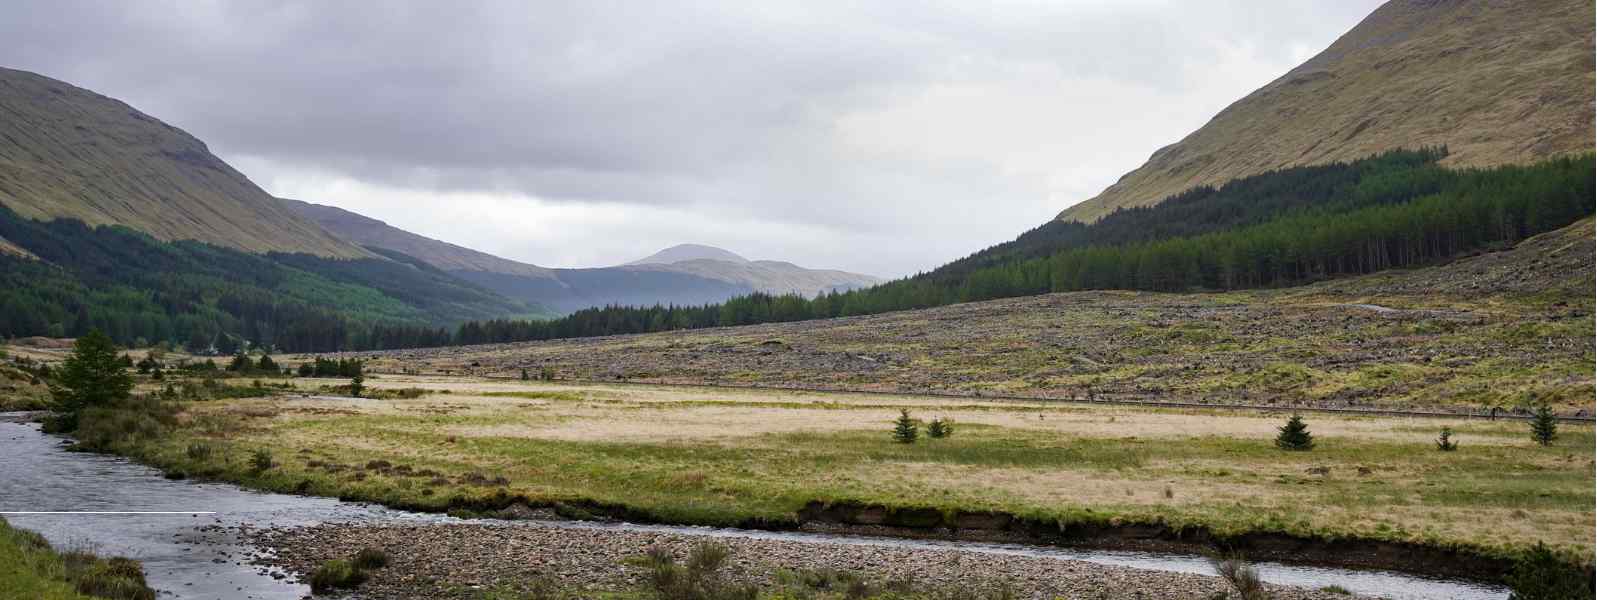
(455, 560)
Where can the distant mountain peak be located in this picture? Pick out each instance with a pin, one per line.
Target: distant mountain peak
(687, 252)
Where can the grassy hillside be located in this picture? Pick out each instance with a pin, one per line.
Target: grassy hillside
(1501, 329)
(1495, 82)
(66, 152)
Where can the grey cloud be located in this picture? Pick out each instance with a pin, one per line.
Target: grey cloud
(724, 106)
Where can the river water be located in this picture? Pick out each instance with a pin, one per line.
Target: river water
(185, 532)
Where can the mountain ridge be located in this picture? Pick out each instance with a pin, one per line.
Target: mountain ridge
(689, 279)
(366, 231)
(68, 152)
(686, 252)
(1494, 82)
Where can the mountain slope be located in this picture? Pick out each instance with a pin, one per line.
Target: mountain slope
(687, 274)
(370, 232)
(66, 152)
(686, 252)
(769, 276)
(1497, 82)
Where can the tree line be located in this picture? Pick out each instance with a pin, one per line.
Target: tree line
(1284, 227)
(1287, 227)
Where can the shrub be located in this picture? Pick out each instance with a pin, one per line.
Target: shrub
(371, 558)
(1539, 574)
(356, 384)
(1295, 435)
(1544, 426)
(699, 579)
(260, 460)
(1445, 441)
(336, 574)
(116, 578)
(1336, 589)
(1240, 575)
(130, 421)
(940, 428)
(199, 451)
(546, 373)
(905, 430)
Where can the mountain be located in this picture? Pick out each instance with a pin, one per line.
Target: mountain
(66, 152)
(370, 232)
(687, 252)
(113, 220)
(1496, 82)
(687, 274)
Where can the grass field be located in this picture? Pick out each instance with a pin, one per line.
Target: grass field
(698, 455)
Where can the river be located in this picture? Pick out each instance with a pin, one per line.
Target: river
(186, 532)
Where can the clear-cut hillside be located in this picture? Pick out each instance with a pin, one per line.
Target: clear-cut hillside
(66, 152)
(1497, 82)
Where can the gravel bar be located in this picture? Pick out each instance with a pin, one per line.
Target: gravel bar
(455, 560)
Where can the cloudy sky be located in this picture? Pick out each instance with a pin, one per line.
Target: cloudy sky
(880, 137)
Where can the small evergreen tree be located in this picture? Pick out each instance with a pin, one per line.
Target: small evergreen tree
(127, 361)
(525, 376)
(356, 384)
(91, 376)
(905, 430)
(1295, 435)
(306, 370)
(940, 428)
(547, 373)
(266, 364)
(1445, 441)
(1544, 426)
(240, 364)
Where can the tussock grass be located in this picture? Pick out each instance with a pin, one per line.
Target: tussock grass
(30, 568)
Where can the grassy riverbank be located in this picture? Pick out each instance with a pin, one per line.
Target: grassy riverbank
(724, 457)
(31, 569)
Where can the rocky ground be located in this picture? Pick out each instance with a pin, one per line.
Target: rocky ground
(457, 561)
(1501, 329)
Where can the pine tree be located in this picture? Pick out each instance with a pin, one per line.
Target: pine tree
(266, 364)
(356, 384)
(905, 430)
(524, 375)
(1445, 441)
(1295, 435)
(1544, 426)
(940, 428)
(91, 376)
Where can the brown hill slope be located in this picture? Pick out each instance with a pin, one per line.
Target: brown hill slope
(66, 152)
(1497, 329)
(367, 231)
(1497, 81)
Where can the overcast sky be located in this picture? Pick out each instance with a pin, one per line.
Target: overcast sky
(880, 137)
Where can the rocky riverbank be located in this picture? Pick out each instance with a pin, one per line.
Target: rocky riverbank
(459, 560)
